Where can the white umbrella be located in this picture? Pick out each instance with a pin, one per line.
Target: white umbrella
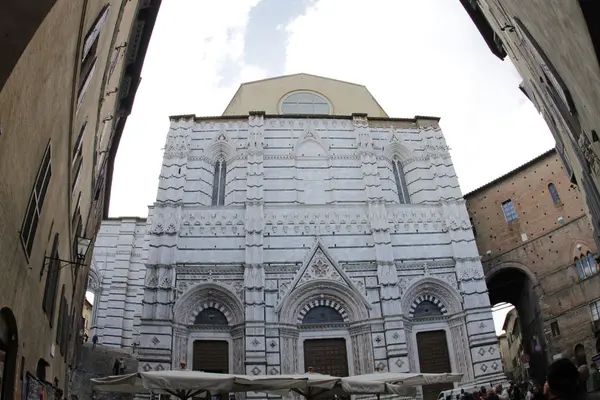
(186, 384)
(390, 382)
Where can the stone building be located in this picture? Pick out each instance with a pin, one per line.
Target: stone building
(538, 253)
(87, 319)
(304, 234)
(68, 75)
(511, 347)
(555, 46)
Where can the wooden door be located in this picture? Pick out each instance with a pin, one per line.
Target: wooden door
(434, 357)
(326, 356)
(211, 356)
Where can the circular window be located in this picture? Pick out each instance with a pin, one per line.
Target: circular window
(305, 103)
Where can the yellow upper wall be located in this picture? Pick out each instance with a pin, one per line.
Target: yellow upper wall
(265, 95)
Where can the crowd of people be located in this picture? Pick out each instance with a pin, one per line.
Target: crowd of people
(564, 382)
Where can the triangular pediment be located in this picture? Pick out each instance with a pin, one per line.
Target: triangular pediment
(319, 265)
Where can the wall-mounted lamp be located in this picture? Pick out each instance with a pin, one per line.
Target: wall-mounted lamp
(53, 264)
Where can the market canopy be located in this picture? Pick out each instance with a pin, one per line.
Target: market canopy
(390, 382)
(317, 386)
(185, 384)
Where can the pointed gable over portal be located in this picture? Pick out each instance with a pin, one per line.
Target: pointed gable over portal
(319, 265)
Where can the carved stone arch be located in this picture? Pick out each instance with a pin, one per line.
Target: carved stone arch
(511, 264)
(431, 298)
(221, 148)
(94, 280)
(434, 288)
(294, 307)
(580, 247)
(206, 295)
(323, 303)
(310, 138)
(396, 150)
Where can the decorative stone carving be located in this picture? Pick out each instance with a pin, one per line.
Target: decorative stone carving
(207, 295)
(151, 277)
(165, 279)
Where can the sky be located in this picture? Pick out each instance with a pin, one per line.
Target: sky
(420, 57)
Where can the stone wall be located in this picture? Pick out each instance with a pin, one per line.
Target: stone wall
(35, 387)
(542, 243)
(311, 217)
(96, 362)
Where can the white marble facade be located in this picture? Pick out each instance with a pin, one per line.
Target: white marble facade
(310, 216)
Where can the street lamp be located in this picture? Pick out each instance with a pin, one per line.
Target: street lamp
(54, 263)
(83, 246)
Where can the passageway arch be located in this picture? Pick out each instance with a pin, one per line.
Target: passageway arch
(516, 284)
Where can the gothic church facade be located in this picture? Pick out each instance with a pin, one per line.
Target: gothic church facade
(315, 232)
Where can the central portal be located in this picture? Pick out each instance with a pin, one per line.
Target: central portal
(433, 358)
(211, 356)
(326, 356)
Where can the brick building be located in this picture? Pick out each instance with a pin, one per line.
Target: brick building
(538, 253)
(68, 76)
(555, 46)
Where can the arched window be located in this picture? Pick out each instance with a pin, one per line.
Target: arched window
(554, 193)
(426, 308)
(592, 265)
(580, 270)
(322, 315)
(211, 316)
(303, 103)
(401, 186)
(219, 181)
(586, 265)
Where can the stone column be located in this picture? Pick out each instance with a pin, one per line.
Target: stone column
(254, 274)
(362, 351)
(391, 311)
(180, 347)
(484, 352)
(288, 340)
(460, 344)
(156, 324)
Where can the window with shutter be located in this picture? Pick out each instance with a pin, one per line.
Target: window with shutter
(52, 271)
(36, 201)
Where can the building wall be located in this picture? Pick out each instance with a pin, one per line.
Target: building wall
(555, 234)
(271, 251)
(265, 95)
(87, 317)
(514, 349)
(42, 103)
(558, 60)
(118, 273)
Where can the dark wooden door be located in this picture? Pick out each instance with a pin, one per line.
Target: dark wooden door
(326, 356)
(434, 358)
(211, 356)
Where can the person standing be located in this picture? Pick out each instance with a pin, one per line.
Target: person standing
(564, 381)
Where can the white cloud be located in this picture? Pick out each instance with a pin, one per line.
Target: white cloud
(191, 40)
(416, 57)
(426, 58)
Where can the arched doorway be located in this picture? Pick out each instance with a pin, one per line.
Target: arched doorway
(209, 330)
(211, 355)
(516, 285)
(325, 355)
(9, 346)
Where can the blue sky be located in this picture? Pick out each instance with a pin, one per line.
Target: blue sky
(420, 57)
